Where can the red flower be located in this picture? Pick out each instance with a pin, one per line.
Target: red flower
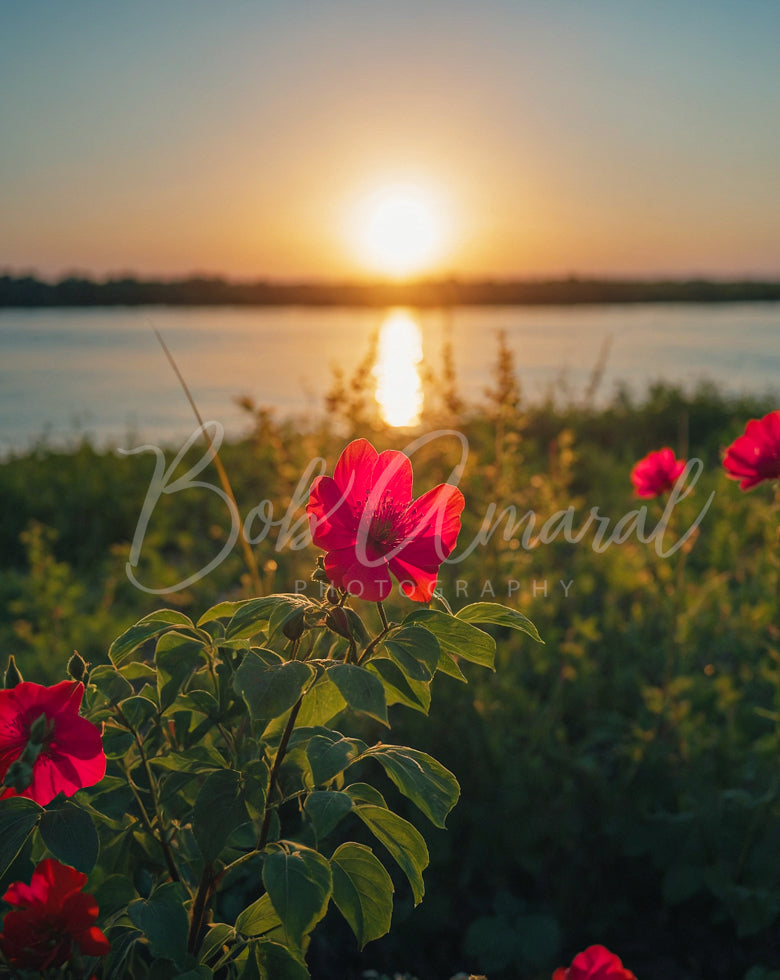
(366, 520)
(52, 915)
(755, 456)
(595, 963)
(46, 747)
(656, 473)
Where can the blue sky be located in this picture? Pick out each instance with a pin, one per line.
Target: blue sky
(558, 136)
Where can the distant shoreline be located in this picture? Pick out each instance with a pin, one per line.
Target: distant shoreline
(29, 292)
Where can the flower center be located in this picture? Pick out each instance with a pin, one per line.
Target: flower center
(389, 523)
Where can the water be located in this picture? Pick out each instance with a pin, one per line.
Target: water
(64, 373)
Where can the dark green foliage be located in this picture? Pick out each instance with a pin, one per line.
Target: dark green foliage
(618, 783)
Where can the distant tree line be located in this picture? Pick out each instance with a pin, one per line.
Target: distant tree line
(28, 291)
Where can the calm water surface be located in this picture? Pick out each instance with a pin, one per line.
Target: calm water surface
(102, 372)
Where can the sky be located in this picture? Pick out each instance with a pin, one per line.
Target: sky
(255, 138)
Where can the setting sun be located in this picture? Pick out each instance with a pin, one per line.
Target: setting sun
(398, 229)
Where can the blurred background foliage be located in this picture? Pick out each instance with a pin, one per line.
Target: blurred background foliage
(620, 784)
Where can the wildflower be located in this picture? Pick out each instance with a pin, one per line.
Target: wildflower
(656, 473)
(755, 455)
(46, 747)
(51, 916)
(364, 517)
(595, 963)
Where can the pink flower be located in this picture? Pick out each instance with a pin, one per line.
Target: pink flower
(595, 963)
(52, 915)
(46, 747)
(365, 519)
(656, 473)
(755, 456)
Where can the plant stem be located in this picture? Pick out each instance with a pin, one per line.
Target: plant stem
(173, 871)
(200, 907)
(262, 839)
(249, 555)
(383, 616)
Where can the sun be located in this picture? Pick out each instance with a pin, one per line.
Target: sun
(398, 229)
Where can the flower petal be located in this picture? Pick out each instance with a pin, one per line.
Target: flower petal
(436, 515)
(331, 519)
(353, 472)
(392, 475)
(416, 583)
(370, 582)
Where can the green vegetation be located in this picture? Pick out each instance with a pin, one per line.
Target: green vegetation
(619, 784)
(215, 291)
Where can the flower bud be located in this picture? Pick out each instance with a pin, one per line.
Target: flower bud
(77, 666)
(338, 621)
(12, 675)
(294, 627)
(332, 596)
(19, 776)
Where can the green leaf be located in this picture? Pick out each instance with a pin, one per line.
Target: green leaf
(198, 973)
(177, 656)
(116, 742)
(357, 626)
(111, 684)
(299, 884)
(138, 710)
(362, 891)
(326, 809)
(70, 835)
(163, 919)
(219, 810)
(427, 783)
(218, 935)
(403, 841)
(415, 650)
(222, 610)
(200, 702)
(457, 636)
(269, 685)
(398, 688)
(448, 665)
(258, 918)
(114, 893)
(330, 753)
(277, 962)
(197, 758)
(361, 690)
(146, 628)
(18, 819)
(291, 607)
(253, 617)
(135, 671)
(322, 703)
(363, 793)
(498, 615)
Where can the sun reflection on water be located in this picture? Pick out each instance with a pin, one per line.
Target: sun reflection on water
(399, 389)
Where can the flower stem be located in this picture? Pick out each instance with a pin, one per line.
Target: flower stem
(262, 839)
(173, 871)
(383, 616)
(200, 907)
